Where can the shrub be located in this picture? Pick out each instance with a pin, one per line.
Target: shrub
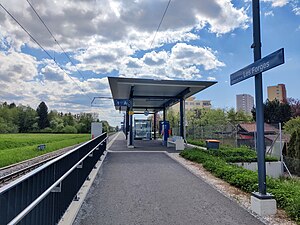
(46, 130)
(69, 130)
(199, 142)
(286, 192)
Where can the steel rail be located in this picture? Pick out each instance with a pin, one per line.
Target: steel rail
(24, 170)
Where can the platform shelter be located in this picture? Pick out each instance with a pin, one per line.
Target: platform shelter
(150, 96)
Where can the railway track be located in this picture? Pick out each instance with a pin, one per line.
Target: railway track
(12, 172)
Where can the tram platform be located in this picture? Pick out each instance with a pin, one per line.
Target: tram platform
(144, 185)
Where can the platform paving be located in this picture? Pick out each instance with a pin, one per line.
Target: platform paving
(139, 187)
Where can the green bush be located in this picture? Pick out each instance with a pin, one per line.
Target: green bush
(241, 154)
(201, 143)
(46, 130)
(286, 192)
(69, 130)
(229, 154)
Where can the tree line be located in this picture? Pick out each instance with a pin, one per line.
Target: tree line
(24, 119)
(275, 112)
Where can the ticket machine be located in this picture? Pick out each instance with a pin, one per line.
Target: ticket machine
(165, 129)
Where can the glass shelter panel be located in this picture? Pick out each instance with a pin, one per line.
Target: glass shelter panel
(142, 129)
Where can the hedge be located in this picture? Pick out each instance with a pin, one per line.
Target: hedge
(242, 154)
(286, 192)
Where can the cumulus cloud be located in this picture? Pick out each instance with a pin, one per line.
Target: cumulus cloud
(74, 23)
(16, 66)
(18, 83)
(102, 37)
(296, 10)
(155, 58)
(211, 78)
(269, 13)
(184, 54)
(183, 61)
(53, 73)
(277, 3)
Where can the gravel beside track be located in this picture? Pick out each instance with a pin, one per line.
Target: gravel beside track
(38, 161)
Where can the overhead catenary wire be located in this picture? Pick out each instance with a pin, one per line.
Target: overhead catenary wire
(162, 18)
(48, 54)
(63, 50)
(48, 29)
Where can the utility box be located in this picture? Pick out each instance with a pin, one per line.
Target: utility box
(212, 144)
(96, 129)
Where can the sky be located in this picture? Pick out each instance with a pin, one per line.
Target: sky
(197, 40)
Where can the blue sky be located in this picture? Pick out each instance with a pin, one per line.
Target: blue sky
(198, 40)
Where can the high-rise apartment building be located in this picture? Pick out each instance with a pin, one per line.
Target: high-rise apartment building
(245, 103)
(277, 92)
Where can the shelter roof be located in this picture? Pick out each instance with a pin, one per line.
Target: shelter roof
(150, 94)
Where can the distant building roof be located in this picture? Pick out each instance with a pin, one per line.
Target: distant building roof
(251, 128)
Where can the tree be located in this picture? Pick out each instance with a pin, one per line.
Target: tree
(173, 118)
(42, 112)
(237, 117)
(275, 112)
(294, 152)
(69, 130)
(295, 106)
(84, 123)
(12, 105)
(212, 117)
(8, 119)
(105, 126)
(69, 119)
(292, 125)
(27, 119)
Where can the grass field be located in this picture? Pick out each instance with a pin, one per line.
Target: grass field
(19, 147)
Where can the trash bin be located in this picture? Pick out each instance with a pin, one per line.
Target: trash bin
(212, 144)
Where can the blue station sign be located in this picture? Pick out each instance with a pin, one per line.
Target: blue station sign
(121, 102)
(262, 65)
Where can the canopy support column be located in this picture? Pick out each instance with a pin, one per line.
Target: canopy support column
(182, 117)
(127, 123)
(154, 126)
(130, 130)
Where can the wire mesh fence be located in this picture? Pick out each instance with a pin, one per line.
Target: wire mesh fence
(244, 134)
(226, 134)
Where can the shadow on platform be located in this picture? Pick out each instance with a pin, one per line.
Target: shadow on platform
(120, 144)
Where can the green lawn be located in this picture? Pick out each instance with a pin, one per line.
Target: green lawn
(19, 147)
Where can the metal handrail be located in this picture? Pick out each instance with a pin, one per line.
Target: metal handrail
(21, 215)
(56, 184)
(26, 176)
(30, 207)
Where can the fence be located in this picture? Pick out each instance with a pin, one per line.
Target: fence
(43, 195)
(232, 135)
(226, 134)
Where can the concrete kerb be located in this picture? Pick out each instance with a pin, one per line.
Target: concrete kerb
(72, 211)
(195, 146)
